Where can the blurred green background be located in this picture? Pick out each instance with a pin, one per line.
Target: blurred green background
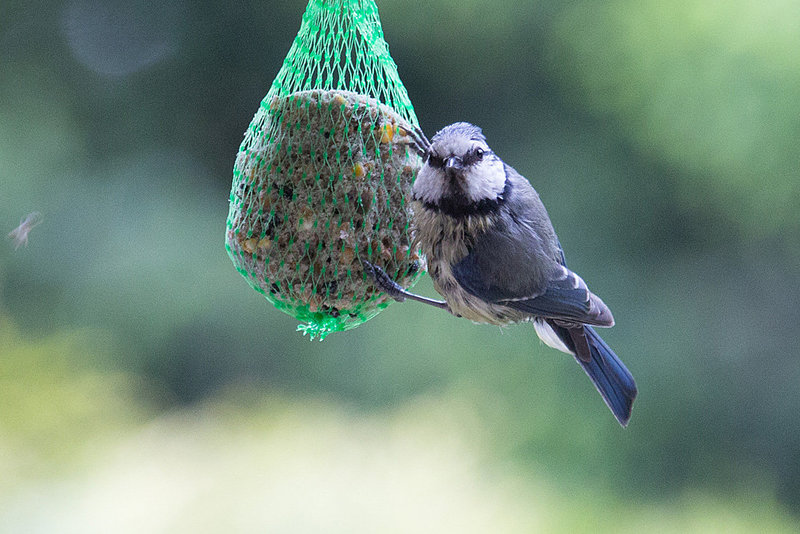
(144, 387)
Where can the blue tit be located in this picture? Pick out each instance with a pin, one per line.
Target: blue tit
(493, 255)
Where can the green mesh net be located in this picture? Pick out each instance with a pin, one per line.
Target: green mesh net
(323, 177)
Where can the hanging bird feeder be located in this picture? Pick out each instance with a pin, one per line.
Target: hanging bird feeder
(323, 177)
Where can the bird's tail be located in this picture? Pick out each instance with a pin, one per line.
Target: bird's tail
(610, 376)
(607, 372)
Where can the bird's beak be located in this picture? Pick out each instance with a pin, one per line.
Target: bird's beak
(452, 164)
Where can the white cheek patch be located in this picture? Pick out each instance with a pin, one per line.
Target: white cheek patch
(429, 185)
(485, 180)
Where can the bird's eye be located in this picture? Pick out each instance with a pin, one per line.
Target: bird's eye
(474, 156)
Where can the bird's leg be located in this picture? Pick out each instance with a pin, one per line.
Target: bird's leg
(393, 289)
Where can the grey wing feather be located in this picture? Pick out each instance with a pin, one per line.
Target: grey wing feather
(519, 263)
(567, 299)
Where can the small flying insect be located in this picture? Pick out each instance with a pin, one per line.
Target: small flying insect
(26, 224)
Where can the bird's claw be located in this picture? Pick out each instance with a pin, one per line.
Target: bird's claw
(384, 283)
(419, 142)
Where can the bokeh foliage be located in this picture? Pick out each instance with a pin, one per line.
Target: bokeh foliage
(662, 138)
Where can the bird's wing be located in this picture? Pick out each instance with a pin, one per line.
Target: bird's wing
(564, 297)
(503, 262)
(515, 265)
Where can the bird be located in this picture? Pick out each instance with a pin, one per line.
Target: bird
(494, 256)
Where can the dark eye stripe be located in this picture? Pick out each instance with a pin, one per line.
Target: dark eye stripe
(435, 161)
(474, 156)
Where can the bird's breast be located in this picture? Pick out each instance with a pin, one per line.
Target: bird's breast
(440, 237)
(445, 241)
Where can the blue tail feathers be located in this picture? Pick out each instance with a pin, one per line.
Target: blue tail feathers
(610, 376)
(607, 372)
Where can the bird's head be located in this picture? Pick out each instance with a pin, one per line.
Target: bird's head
(460, 169)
